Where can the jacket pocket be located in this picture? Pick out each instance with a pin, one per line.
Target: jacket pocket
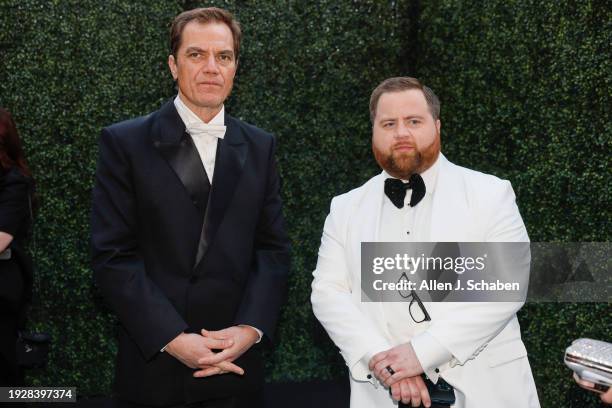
(498, 354)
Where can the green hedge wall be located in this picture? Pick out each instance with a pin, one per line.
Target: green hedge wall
(524, 89)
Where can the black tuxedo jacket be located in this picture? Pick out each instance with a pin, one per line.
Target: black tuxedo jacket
(172, 255)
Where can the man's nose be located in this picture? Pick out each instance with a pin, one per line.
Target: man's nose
(402, 130)
(210, 65)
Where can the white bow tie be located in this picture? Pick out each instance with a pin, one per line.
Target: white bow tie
(205, 129)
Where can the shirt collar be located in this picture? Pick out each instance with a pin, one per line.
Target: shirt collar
(429, 176)
(189, 117)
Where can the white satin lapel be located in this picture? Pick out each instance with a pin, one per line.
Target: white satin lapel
(451, 218)
(366, 228)
(365, 219)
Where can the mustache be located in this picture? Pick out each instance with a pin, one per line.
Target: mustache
(401, 145)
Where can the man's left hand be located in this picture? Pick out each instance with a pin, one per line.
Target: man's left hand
(411, 390)
(243, 337)
(401, 359)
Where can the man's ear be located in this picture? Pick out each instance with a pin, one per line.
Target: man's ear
(438, 125)
(172, 66)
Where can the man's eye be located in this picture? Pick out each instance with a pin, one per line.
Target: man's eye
(414, 122)
(194, 54)
(387, 125)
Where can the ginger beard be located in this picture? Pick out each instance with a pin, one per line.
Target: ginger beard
(403, 164)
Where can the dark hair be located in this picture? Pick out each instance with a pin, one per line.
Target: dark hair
(11, 151)
(399, 84)
(204, 15)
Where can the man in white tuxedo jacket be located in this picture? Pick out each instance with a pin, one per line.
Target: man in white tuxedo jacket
(475, 347)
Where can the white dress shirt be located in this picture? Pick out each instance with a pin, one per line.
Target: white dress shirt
(207, 145)
(411, 224)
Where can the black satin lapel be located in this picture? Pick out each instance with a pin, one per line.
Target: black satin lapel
(229, 163)
(184, 159)
(177, 148)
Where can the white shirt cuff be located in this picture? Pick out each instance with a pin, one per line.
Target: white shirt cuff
(430, 352)
(361, 370)
(259, 332)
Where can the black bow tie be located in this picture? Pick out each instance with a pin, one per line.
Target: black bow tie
(395, 189)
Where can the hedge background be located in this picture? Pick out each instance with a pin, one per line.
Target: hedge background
(525, 90)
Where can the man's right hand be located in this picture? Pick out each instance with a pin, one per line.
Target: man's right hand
(188, 348)
(411, 391)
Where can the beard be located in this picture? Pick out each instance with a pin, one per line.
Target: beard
(402, 165)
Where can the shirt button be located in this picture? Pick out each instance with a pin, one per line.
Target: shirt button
(437, 370)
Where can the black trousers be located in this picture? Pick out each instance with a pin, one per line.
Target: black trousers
(11, 298)
(11, 375)
(254, 400)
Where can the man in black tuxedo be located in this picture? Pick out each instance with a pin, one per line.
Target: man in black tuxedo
(189, 243)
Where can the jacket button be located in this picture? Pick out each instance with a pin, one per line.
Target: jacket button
(193, 279)
(437, 370)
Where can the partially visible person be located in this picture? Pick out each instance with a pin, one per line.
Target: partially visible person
(16, 186)
(587, 385)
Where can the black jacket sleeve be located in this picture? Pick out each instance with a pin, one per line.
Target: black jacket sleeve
(119, 270)
(266, 287)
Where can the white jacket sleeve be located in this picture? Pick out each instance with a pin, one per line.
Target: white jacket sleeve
(336, 302)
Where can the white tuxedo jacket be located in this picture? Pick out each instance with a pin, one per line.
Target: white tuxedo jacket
(489, 368)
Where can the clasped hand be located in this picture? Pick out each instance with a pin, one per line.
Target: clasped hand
(404, 378)
(196, 351)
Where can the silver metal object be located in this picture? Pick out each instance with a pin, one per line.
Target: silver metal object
(591, 360)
